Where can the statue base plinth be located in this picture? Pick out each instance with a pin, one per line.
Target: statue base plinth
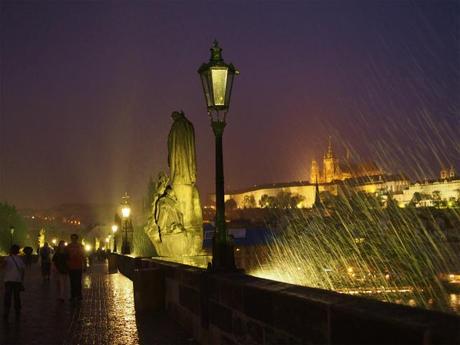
(223, 260)
(179, 244)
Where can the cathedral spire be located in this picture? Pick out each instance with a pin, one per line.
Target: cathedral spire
(314, 170)
(329, 149)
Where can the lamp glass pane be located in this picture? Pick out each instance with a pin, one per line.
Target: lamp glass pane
(205, 81)
(125, 212)
(229, 88)
(219, 85)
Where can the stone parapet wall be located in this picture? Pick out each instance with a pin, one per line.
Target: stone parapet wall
(241, 309)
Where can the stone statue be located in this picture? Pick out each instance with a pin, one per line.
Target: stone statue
(181, 150)
(175, 224)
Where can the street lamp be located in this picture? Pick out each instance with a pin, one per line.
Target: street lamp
(114, 230)
(107, 241)
(12, 234)
(125, 214)
(217, 80)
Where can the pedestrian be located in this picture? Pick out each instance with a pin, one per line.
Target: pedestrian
(14, 281)
(45, 257)
(28, 251)
(75, 264)
(60, 264)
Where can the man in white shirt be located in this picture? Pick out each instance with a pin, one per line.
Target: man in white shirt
(13, 278)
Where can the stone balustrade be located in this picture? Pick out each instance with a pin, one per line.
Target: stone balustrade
(241, 309)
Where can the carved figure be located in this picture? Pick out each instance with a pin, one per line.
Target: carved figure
(167, 215)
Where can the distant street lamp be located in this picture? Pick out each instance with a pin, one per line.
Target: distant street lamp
(217, 80)
(114, 230)
(107, 241)
(125, 214)
(12, 234)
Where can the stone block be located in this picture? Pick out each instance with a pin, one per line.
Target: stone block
(231, 295)
(214, 335)
(302, 317)
(185, 319)
(258, 304)
(351, 326)
(190, 299)
(192, 278)
(149, 290)
(276, 337)
(220, 316)
(226, 340)
(255, 333)
(213, 285)
(239, 327)
(172, 291)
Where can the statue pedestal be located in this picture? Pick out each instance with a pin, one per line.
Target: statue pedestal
(180, 244)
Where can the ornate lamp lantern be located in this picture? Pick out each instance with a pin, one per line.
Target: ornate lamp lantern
(114, 231)
(127, 227)
(217, 81)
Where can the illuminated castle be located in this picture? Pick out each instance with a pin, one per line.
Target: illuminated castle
(333, 170)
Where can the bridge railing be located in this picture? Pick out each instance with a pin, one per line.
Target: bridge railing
(242, 309)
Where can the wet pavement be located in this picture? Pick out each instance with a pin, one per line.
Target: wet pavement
(105, 316)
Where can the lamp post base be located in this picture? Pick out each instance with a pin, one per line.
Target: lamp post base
(125, 249)
(223, 257)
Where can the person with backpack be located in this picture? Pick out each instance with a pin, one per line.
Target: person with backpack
(14, 281)
(75, 265)
(45, 257)
(60, 264)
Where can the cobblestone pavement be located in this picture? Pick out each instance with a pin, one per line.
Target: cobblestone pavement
(105, 316)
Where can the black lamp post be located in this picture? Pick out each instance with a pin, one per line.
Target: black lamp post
(125, 214)
(217, 80)
(114, 230)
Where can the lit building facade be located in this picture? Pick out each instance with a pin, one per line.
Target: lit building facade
(376, 185)
(430, 193)
(305, 190)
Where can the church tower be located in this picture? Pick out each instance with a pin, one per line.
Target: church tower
(314, 171)
(329, 164)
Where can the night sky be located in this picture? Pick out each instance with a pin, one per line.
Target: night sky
(87, 90)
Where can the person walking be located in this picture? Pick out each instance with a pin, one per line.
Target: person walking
(60, 264)
(75, 264)
(28, 252)
(45, 257)
(14, 278)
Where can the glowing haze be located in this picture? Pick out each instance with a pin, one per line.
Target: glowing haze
(87, 89)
